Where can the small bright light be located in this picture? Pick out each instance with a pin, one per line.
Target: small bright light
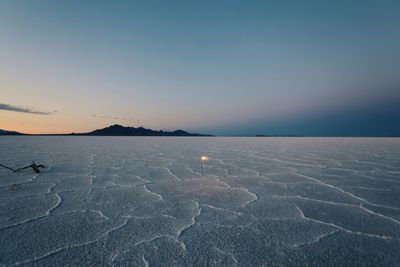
(204, 158)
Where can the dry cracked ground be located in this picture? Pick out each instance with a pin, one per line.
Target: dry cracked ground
(147, 201)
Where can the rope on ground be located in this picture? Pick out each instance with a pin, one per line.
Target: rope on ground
(4, 166)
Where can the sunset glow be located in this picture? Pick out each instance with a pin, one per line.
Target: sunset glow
(268, 67)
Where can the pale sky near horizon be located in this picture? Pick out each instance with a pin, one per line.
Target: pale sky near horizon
(218, 67)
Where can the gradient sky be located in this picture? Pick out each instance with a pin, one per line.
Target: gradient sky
(218, 67)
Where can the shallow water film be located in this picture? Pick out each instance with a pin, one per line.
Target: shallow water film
(150, 201)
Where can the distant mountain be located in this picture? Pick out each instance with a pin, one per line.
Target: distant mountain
(119, 130)
(4, 132)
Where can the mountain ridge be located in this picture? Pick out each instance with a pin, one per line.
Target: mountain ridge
(6, 132)
(116, 130)
(119, 130)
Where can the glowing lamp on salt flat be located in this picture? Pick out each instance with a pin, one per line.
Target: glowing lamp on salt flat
(203, 158)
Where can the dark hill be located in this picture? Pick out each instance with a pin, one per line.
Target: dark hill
(4, 132)
(119, 130)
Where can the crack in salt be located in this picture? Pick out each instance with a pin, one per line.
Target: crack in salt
(218, 208)
(255, 197)
(344, 229)
(319, 238)
(47, 213)
(173, 175)
(356, 197)
(146, 263)
(232, 256)
(153, 193)
(180, 232)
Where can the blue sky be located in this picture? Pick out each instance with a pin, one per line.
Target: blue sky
(220, 67)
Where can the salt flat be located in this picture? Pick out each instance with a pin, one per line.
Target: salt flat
(139, 201)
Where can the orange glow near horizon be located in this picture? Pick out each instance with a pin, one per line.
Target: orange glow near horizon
(35, 124)
(57, 123)
(65, 123)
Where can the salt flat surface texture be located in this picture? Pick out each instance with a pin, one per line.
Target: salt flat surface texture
(139, 201)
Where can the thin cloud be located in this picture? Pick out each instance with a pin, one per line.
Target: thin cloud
(24, 110)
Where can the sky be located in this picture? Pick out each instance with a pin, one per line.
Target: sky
(323, 68)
